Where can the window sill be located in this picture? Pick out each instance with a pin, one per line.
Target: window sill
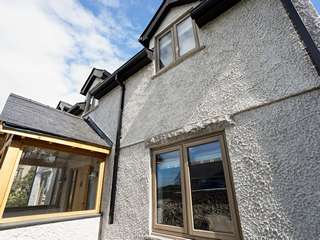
(178, 61)
(5, 225)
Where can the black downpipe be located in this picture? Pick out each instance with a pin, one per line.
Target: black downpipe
(116, 155)
(304, 34)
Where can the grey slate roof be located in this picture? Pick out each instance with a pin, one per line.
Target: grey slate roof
(28, 115)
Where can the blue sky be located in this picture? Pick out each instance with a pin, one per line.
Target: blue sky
(48, 48)
(316, 3)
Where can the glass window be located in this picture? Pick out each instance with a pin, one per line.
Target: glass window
(165, 50)
(169, 198)
(50, 181)
(186, 40)
(208, 188)
(194, 179)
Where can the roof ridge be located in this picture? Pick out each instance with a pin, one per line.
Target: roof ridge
(44, 105)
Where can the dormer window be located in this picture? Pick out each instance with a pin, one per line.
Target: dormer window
(175, 42)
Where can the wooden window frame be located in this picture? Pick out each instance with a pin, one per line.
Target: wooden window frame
(11, 163)
(188, 231)
(176, 58)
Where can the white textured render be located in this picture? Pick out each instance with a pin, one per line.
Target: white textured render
(85, 229)
(255, 81)
(252, 57)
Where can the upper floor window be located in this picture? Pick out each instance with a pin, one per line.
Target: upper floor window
(192, 191)
(176, 41)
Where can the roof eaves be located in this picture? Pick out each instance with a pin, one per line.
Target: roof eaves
(85, 88)
(211, 9)
(25, 129)
(129, 68)
(158, 18)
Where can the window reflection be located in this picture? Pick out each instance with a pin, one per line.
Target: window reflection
(165, 50)
(48, 181)
(169, 198)
(209, 194)
(185, 36)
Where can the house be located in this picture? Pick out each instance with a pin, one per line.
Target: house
(211, 131)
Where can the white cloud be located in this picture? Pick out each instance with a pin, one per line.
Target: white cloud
(47, 48)
(110, 3)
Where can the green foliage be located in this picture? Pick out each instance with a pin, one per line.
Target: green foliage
(20, 191)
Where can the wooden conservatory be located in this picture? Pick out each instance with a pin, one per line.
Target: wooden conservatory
(51, 164)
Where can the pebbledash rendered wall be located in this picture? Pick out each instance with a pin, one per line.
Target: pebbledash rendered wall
(252, 57)
(84, 229)
(255, 72)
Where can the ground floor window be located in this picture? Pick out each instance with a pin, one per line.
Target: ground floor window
(192, 190)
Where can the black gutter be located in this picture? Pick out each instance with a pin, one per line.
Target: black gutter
(117, 154)
(211, 9)
(304, 34)
(132, 66)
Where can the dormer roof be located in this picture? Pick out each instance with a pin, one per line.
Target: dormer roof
(204, 12)
(95, 73)
(159, 16)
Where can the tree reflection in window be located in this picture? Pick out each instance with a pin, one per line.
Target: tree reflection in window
(169, 198)
(208, 188)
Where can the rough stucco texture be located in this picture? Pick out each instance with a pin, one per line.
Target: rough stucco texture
(132, 205)
(106, 115)
(85, 229)
(252, 55)
(275, 158)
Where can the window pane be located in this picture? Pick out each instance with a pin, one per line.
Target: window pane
(209, 195)
(169, 198)
(165, 51)
(185, 36)
(49, 181)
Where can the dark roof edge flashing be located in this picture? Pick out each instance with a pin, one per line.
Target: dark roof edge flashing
(211, 9)
(20, 128)
(303, 33)
(157, 18)
(88, 83)
(98, 130)
(133, 65)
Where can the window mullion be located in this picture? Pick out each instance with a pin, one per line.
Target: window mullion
(195, 33)
(184, 191)
(187, 191)
(175, 42)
